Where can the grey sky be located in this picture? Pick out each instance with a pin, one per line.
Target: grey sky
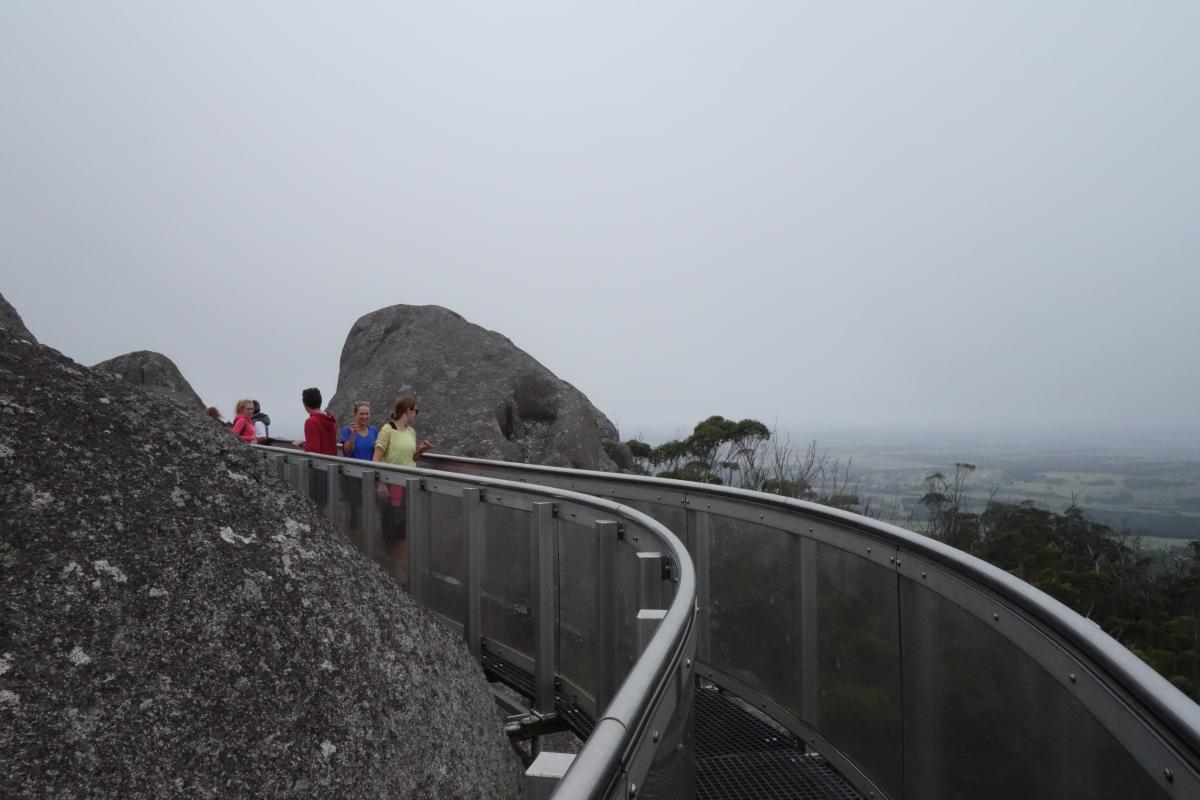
(957, 214)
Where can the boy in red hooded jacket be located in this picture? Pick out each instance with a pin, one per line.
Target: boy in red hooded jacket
(320, 429)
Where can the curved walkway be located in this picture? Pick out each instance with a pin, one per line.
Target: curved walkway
(914, 669)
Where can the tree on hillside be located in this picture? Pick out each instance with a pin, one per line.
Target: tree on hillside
(950, 521)
(1149, 602)
(716, 450)
(642, 453)
(748, 455)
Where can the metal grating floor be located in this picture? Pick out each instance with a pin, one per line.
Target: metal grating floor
(738, 756)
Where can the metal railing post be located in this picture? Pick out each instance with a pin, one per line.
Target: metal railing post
(333, 496)
(473, 533)
(371, 534)
(649, 594)
(809, 663)
(650, 580)
(647, 624)
(607, 598)
(417, 530)
(300, 481)
(702, 525)
(545, 600)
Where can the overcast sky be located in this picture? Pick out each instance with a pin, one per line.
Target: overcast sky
(839, 214)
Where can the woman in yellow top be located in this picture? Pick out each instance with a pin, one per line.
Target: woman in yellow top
(397, 442)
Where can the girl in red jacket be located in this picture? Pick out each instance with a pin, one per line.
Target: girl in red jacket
(243, 423)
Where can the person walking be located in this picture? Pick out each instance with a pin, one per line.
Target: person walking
(358, 441)
(320, 436)
(262, 424)
(397, 444)
(243, 422)
(320, 429)
(359, 437)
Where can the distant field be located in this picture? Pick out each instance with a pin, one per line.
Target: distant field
(1155, 497)
(1162, 542)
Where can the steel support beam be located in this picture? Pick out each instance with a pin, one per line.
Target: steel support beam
(607, 611)
(372, 536)
(417, 530)
(473, 533)
(543, 528)
(333, 494)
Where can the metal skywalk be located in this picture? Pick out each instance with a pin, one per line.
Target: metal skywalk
(665, 611)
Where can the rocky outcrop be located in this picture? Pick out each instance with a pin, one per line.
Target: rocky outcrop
(11, 321)
(153, 372)
(480, 395)
(175, 622)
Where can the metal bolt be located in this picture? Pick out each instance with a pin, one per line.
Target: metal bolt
(656, 736)
(891, 559)
(1072, 677)
(899, 563)
(1170, 776)
(760, 516)
(633, 790)
(868, 550)
(687, 663)
(922, 574)
(996, 617)
(810, 530)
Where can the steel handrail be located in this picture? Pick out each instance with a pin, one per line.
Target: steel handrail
(601, 759)
(1165, 706)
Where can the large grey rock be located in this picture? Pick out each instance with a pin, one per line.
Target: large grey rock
(154, 372)
(480, 395)
(175, 622)
(11, 321)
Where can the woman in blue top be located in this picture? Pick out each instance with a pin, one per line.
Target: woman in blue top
(358, 438)
(357, 441)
